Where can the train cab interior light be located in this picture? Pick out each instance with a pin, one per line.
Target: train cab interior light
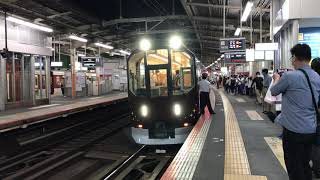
(145, 44)
(247, 11)
(140, 126)
(78, 38)
(144, 110)
(186, 124)
(175, 42)
(29, 24)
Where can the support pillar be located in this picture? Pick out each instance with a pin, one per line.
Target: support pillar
(32, 70)
(73, 72)
(2, 84)
(48, 78)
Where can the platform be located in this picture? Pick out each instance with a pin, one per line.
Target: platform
(22, 117)
(237, 143)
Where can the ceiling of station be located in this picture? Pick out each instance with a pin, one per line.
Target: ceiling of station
(200, 22)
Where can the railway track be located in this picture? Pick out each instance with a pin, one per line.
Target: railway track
(95, 150)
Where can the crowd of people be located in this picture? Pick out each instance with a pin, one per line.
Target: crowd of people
(242, 84)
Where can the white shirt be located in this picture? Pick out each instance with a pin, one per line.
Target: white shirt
(204, 85)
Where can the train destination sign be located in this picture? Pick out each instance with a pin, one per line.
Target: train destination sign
(232, 44)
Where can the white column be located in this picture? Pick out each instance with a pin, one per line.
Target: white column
(48, 78)
(32, 85)
(2, 84)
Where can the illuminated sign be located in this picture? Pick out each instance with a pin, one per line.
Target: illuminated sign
(90, 61)
(232, 44)
(235, 57)
(311, 36)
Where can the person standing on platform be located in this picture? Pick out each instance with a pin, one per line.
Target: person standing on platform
(257, 83)
(266, 83)
(298, 116)
(204, 90)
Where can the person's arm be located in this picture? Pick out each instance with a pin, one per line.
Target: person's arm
(280, 84)
(253, 82)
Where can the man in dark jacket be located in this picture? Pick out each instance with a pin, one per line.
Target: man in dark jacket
(257, 82)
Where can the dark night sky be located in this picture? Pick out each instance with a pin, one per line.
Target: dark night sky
(109, 9)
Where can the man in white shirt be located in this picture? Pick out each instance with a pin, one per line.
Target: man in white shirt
(204, 90)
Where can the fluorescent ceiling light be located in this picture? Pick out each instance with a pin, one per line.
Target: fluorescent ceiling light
(29, 24)
(124, 52)
(103, 45)
(222, 56)
(237, 33)
(78, 38)
(247, 11)
(81, 55)
(218, 59)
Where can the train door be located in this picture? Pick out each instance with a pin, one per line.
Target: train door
(158, 80)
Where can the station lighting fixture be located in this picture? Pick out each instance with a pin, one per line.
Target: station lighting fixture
(177, 109)
(222, 56)
(103, 45)
(145, 44)
(175, 42)
(219, 59)
(124, 52)
(78, 38)
(237, 33)
(247, 11)
(144, 110)
(29, 24)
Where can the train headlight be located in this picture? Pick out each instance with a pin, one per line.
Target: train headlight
(145, 44)
(175, 42)
(177, 109)
(144, 110)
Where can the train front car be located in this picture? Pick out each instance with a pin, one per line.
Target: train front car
(162, 95)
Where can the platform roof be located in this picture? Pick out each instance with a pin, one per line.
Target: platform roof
(200, 22)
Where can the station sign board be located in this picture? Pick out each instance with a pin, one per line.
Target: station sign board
(232, 44)
(311, 36)
(235, 57)
(90, 61)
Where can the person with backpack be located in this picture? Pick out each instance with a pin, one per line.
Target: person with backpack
(300, 95)
(233, 84)
(257, 82)
(315, 156)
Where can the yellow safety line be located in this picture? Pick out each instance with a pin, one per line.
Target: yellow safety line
(275, 145)
(236, 164)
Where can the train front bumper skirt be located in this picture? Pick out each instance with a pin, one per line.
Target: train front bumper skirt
(141, 136)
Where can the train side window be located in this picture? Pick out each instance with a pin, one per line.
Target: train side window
(137, 83)
(182, 72)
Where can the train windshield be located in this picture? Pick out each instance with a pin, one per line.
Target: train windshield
(150, 73)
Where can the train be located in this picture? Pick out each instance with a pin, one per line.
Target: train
(162, 92)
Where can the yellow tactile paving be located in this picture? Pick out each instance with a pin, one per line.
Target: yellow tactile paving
(275, 145)
(236, 160)
(236, 164)
(243, 177)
